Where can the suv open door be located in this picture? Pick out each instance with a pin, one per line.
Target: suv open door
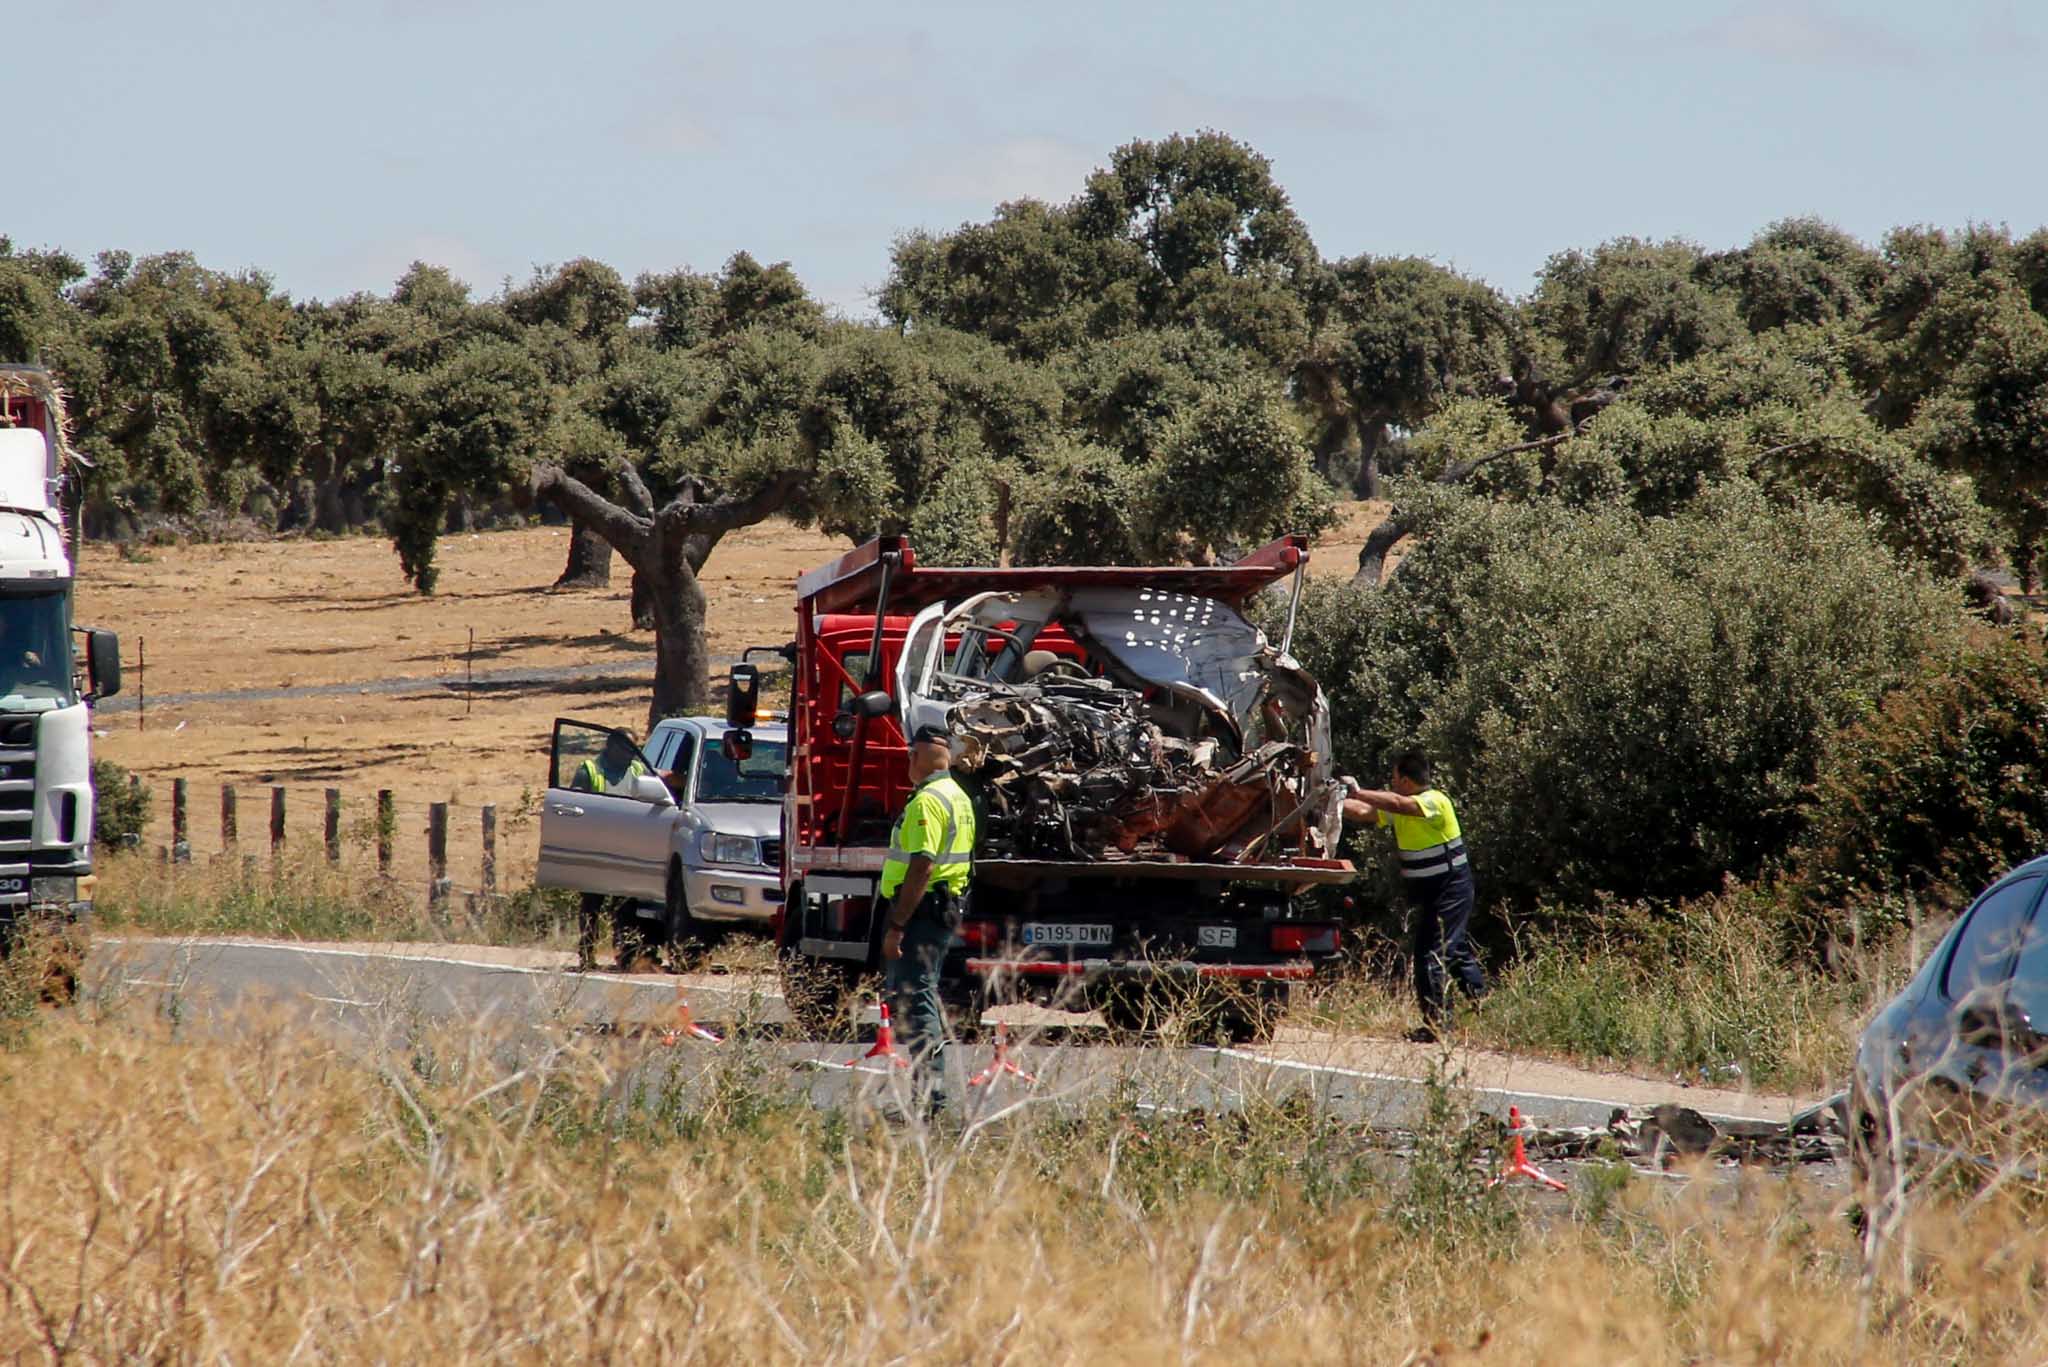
(604, 825)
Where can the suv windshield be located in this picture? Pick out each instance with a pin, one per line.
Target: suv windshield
(757, 778)
(35, 648)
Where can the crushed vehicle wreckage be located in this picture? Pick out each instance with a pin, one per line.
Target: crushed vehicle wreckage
(1197, 739)
(1156, 800)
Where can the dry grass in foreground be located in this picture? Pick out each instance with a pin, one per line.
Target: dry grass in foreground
(1708, 995)
(268, 1197)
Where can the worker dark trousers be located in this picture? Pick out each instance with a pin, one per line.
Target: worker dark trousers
(1443, 940)
(913, 986)
(589, 916)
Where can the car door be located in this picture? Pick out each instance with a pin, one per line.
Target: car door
(2012, 1091)
(601, 842)
(1968, 1079)
(923, 646)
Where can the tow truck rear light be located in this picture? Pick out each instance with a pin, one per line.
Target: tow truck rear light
(1304, 939)
(981, 934)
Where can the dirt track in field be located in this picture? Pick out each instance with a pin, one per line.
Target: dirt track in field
(338, 617)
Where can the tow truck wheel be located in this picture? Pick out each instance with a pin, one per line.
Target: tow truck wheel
(1254, 1017)
(819, 995)
(818, 992)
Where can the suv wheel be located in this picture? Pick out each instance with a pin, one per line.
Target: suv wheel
(688, 939)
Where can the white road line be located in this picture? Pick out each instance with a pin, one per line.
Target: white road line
(386, 957)
(1364, 1075)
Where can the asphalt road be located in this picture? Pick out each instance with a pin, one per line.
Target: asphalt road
(375, 995)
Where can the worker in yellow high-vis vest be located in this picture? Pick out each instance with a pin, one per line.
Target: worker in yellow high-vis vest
(924, 884)
(1437, 876)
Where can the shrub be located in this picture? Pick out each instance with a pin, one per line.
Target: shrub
(121, 805)
(1931, 797)
(1622, 704)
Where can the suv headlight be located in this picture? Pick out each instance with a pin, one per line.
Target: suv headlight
(731, 849)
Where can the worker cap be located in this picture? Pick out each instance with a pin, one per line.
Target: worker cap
(932, 734)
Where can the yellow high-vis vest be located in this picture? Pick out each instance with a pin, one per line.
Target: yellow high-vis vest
(937, 822)
(1431, 845)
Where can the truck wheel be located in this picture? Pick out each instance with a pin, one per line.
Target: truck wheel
(819, 995)
(1129, 1007)
(1256, 1015)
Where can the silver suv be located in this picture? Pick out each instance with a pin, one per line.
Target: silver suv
(687, 831)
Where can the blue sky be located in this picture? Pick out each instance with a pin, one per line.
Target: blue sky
(332, 143)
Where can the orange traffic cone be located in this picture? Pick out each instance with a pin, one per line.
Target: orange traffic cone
(1001, 1063)
(884, 1045)
(1518, 1164)
(686, 1026)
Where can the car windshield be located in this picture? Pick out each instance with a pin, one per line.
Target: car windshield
(757, 778)
(35, 648)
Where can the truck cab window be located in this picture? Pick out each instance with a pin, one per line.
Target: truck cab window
(35, 647)
(855, 663)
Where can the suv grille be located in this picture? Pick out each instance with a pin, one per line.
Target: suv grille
(771, 852)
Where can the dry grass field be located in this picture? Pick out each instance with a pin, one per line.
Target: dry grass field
(438, 1196)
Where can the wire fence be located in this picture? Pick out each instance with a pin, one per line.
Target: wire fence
(449, 854)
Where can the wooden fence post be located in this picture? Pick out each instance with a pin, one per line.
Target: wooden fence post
(334, 825)
(277, 819)
(437, 863)
(181, 834)
(387, 823)
(490, 869)
(227, 817)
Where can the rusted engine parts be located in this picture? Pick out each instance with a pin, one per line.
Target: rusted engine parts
(1075, 769)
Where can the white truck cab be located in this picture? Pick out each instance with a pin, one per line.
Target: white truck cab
(693, 854)
(46, 796)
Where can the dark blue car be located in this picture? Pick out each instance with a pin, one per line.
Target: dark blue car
(1952, 1075)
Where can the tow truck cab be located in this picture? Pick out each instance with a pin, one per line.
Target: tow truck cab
(1126, 934)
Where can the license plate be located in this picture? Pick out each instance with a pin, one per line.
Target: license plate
(1061, 933)
(1216, 937)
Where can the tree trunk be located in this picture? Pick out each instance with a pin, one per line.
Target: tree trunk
(298, 506)
(643, 603)
(1372, 557)
(1001, 520)
(590, 559)
(329, 514)
(682, 650)
(1372, 439)
(2028, 529)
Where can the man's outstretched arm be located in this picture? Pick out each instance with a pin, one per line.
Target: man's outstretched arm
(1384, 800)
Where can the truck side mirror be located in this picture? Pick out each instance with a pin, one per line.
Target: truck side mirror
(742, 697)
(739, 744)
(103, 663)
(874, 704)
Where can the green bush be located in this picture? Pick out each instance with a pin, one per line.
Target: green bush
(120, 806)
(1932, 797)
(1621, 704)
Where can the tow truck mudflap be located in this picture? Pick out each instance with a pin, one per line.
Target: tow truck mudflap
(1180, 970)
